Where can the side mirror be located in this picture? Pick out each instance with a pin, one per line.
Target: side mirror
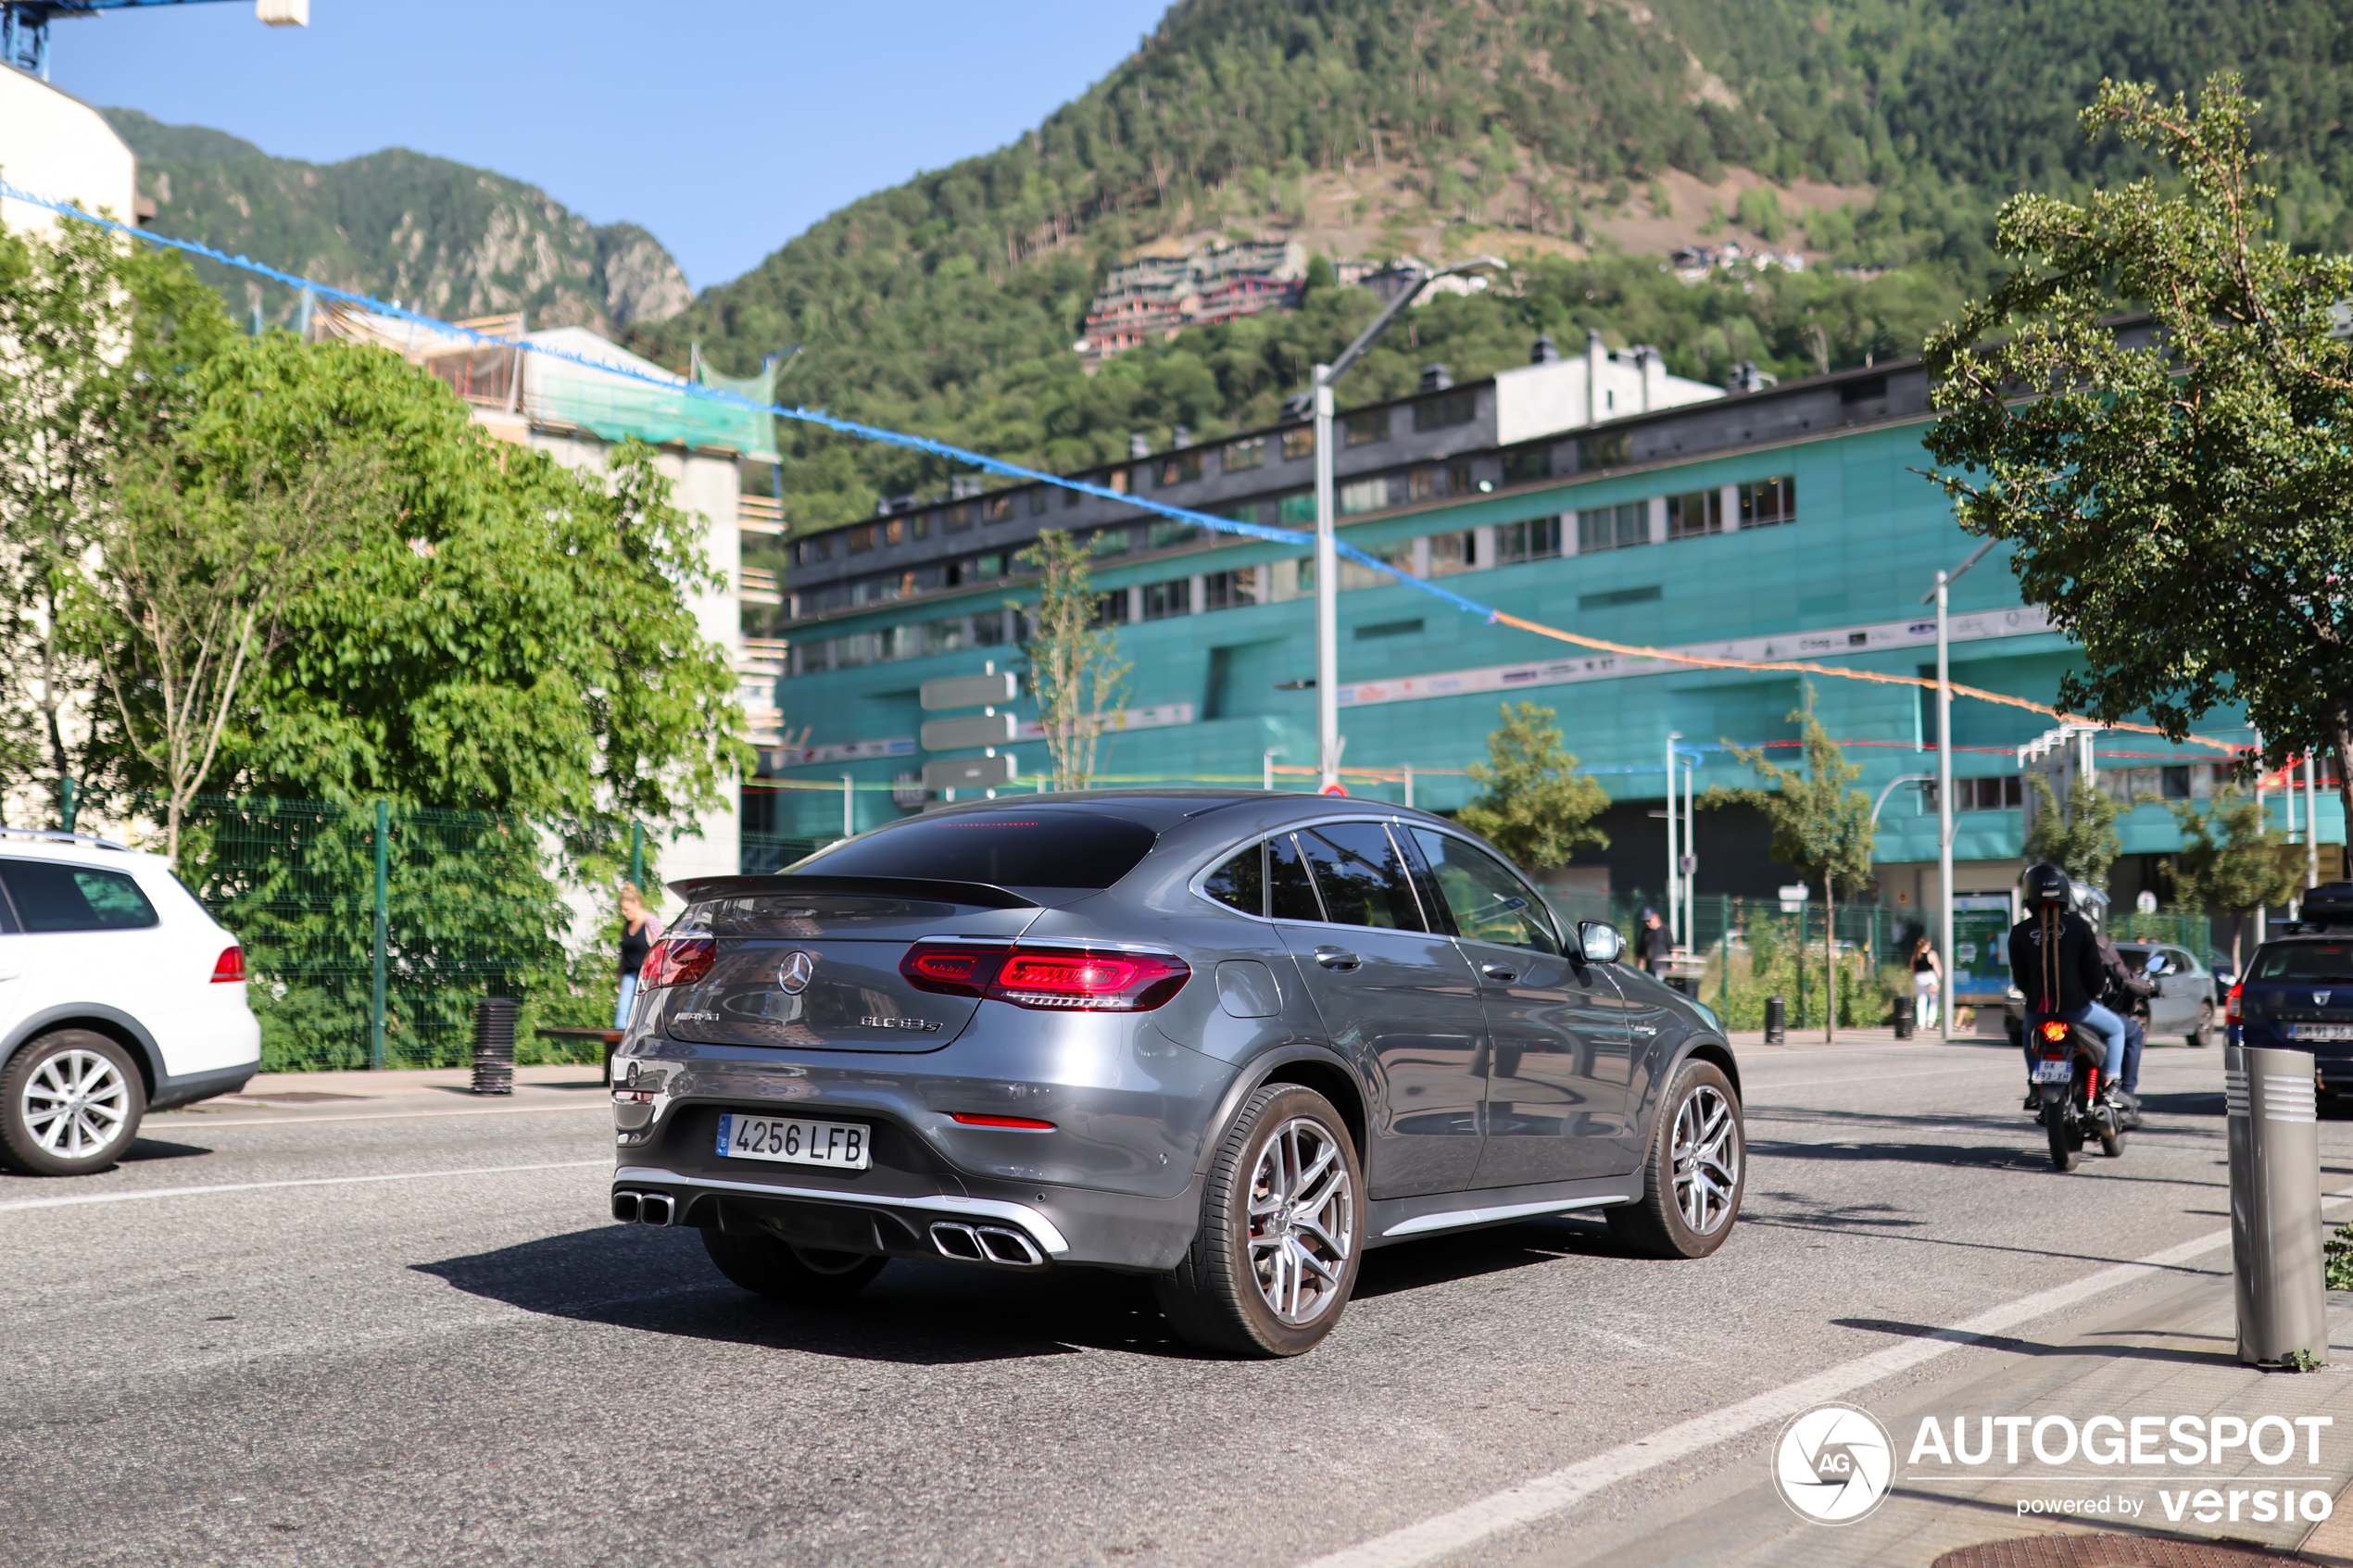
(1599, 941)
(2156, 964)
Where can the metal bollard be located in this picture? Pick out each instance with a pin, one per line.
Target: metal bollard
(494, 1044)
(2275, 1204)
(1904, 1025)
(1776, 1021)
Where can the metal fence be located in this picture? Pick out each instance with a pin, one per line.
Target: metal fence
(370, 932)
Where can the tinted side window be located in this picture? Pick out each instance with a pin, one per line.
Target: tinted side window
(1240, 882)
(1361, 877)
(1488, 902)
(56, 898)
(1291, 893)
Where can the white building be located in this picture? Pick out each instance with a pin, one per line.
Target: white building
(53, 145)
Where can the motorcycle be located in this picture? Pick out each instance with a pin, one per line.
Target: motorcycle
(2079, 1102)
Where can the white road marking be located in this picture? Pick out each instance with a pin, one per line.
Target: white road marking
(304, 1182)
(205, 1121)
(1543, 1495)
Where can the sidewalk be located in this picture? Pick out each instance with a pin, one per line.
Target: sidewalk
(2166, 1355)
(400, 1091)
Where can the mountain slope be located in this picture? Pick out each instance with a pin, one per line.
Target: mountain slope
(442, 236)
(1874, 133)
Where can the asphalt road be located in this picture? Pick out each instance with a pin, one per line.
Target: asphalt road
(472, 1365)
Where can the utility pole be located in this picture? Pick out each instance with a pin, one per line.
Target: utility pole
(1942, 594)
(1327, 537)
(1674, 852)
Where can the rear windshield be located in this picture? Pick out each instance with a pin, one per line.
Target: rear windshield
(1044, 849)
(2305, 960)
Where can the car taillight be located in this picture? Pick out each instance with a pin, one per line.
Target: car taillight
(1084, 979)
(951, 969)
(2231, 1007)
(2055, 1032)
(677, 960)
(230, 967)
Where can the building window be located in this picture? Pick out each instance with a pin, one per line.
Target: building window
(1169, 533)
(1602, 451)
(1240, 511)
(1298, 442)
(1037, 499)
(1769, 501)
(1073, 497)
(1422, 484)
(1689, 516)
(861, 538)
(996, 509)
(1528, 464)
(1108, 542)
(1290, 511)
(1111, 609)
(1116, 480)
(1614, 597)
(1362, 495)
(1356, 574)
(1249, 453)
(2006, 792)
(819, 548)
(1165, 599)
(1389, 629)
(1451, 553)
(1454, 408)
(1368, 426)
(1229, 590)
(1537, 539)
(989, 629)
(955, 520)
(1613, 528)
(1181, 468)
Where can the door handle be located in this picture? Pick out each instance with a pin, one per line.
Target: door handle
(1498, 972)
(1337, 958)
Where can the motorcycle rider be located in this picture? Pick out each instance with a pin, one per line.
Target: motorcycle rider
(2125, 994)
(2055, 963)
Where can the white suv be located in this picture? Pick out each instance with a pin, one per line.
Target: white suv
(118, 994)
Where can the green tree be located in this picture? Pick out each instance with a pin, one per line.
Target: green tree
(2180, 498)
(1075, 672)
(1821, 826)
(2079, 838)
(2232, 860)
(1533, 804)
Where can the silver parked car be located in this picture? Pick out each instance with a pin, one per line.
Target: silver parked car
(1227, 1039)
(2184, 1007)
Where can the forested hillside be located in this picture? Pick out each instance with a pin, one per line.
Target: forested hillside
(439, 235)
(1579, 139)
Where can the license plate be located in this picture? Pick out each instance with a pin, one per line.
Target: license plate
(2320, 1031)
(2054, 1070)
(845, 1145)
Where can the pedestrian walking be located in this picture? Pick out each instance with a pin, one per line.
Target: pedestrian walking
(1928, 980)
(1652, 944)
(639, 930)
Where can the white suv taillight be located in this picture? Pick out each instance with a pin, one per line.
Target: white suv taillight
(230, 967)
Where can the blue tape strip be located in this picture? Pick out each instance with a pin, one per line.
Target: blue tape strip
(720, 394)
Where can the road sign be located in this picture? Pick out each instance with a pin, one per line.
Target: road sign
(992, 690)
(969, 773)
(978, 729)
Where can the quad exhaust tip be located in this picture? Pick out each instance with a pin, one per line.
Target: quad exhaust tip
(643, 1208)
(985, 1244)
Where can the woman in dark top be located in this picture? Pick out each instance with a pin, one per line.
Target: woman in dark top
(1928, 979)
(638, 931)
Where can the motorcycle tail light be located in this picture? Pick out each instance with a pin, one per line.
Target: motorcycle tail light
(2055, 1032)
(2231, 1008)
(1082, 980)
(951, 969)
(677, 960)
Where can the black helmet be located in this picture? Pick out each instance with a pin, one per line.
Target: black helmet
(2046, 883)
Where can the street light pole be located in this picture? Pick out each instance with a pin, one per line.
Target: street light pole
(1327, 536)
(1942, 595)
(1674, 851)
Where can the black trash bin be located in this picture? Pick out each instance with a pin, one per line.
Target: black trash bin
(1904, 1024)
(494, 1044)
(1776, 1021)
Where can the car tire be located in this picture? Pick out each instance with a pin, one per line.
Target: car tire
(1695, 1173)
(777, 1269)
(70, 1103)
(2202, 1033)
(1282, 1231)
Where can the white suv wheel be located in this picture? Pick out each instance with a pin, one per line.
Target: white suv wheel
(72, 1104)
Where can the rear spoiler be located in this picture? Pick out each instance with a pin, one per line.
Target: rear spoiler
(699, 889)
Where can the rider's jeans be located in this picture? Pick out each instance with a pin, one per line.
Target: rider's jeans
(2102, 1022)
(2135, 1038)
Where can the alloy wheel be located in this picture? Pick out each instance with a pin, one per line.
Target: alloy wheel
(1302, 1219)
(1707, 1160)
(76, 1104)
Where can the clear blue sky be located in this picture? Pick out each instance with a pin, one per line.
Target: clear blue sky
(726, 126)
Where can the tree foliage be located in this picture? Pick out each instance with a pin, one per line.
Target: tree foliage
(1076, 673)
(2180, 498)
(2079, 838)
(2232, 860)
(1533, 804)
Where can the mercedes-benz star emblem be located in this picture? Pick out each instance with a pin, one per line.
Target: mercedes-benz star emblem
(794, 972)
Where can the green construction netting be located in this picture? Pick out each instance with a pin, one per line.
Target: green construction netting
(616, 409)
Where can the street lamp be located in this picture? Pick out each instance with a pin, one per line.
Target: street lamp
(1942, 594)
(1327, 552)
